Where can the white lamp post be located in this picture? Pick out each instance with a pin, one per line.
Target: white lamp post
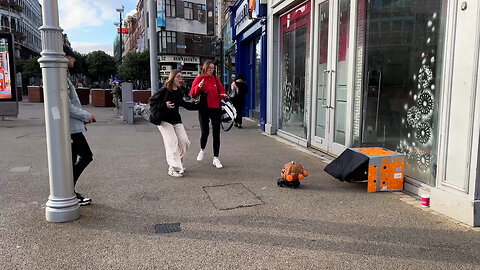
(153, 47)
(62, 204)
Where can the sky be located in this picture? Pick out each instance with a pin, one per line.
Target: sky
(89, 23)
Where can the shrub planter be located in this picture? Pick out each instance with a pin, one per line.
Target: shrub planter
(142, 96)
(84, 95)
(19, 93)
(35, 94)
(102, 98)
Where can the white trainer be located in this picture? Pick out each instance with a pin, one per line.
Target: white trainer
(200, 156)
(175, 174)
(216, 163)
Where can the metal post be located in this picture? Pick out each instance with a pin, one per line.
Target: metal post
(121, 34)
(62, 204)
(153, 47)
(120, 10)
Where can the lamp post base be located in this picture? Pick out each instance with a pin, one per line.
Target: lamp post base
(62, 210)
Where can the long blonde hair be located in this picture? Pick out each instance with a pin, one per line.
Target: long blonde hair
(205, 66)
(171, 77)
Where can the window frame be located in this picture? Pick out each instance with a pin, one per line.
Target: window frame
(188, 9)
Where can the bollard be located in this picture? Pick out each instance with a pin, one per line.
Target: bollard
(127, 102)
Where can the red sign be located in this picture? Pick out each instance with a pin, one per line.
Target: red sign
(124, 30)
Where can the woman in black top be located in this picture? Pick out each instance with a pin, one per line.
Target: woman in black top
(239, 91)
(168, 100)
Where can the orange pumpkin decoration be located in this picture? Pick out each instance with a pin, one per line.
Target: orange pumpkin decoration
(293, 171)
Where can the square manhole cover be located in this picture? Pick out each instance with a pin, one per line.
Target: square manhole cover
(231, 196)
(167, 228)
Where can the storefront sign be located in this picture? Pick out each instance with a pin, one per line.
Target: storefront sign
(186, 73)
(241, 18)
(178, 58)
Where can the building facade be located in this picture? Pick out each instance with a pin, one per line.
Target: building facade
(248, 24)
(395, 74)
(228, 49)
(23, 19)
(132, 34)
(185, 33)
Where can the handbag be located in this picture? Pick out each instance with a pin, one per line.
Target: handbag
(229, 113)
(156, 114)
(202, 102)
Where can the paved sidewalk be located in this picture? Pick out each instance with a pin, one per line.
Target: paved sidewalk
(325, 224)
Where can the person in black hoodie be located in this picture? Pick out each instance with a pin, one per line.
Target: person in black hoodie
(168, 100)
(237, 96)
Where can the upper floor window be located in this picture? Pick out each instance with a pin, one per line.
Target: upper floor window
(188, 10)
(202, 10)
(170, 8)
(168, 41)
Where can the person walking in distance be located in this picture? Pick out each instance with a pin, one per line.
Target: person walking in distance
(237, 96)
(175, 139)
(81, 153)
(209, 87)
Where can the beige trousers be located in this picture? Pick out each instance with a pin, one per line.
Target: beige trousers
(176, 144)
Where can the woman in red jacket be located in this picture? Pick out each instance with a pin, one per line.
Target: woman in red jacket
(210, 85)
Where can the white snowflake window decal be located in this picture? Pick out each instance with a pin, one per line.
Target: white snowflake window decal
(425, 76)
(425, 103)
(423, 133)
(413, 116)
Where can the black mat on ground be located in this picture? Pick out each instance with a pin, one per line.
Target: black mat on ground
(350, 166)
(167, 228)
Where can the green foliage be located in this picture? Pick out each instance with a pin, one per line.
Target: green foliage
(31, 69)
(100, 65)
(135, 66)
(19, 63)
(80, 66)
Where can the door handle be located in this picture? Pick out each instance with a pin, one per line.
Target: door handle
(323, 88)
(331, 95)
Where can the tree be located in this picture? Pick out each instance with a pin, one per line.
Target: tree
(80, 67)
(31, 70)
(100, 65)
(135, 66)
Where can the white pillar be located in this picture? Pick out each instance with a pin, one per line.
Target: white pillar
(62, 204)
(152, 32)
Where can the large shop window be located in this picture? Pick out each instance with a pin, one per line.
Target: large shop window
(400, 83)
(294, 43)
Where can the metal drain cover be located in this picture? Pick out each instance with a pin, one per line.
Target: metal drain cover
(167, 228)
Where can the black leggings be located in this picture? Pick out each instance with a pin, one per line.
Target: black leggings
(204, 116)
(81, 155)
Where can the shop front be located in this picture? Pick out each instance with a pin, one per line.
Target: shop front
(359, 73)
(249, 33)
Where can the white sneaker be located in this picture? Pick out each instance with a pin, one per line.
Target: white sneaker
(216, 163)
(175, 174)
(200, 156)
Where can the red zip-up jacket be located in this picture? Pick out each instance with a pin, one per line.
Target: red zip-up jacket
(210, 87)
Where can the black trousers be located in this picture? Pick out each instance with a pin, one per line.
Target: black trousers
(204, 116)
(239, 108)
(81, 155)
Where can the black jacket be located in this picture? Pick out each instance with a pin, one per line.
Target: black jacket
(238, 98)
(172, 116)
